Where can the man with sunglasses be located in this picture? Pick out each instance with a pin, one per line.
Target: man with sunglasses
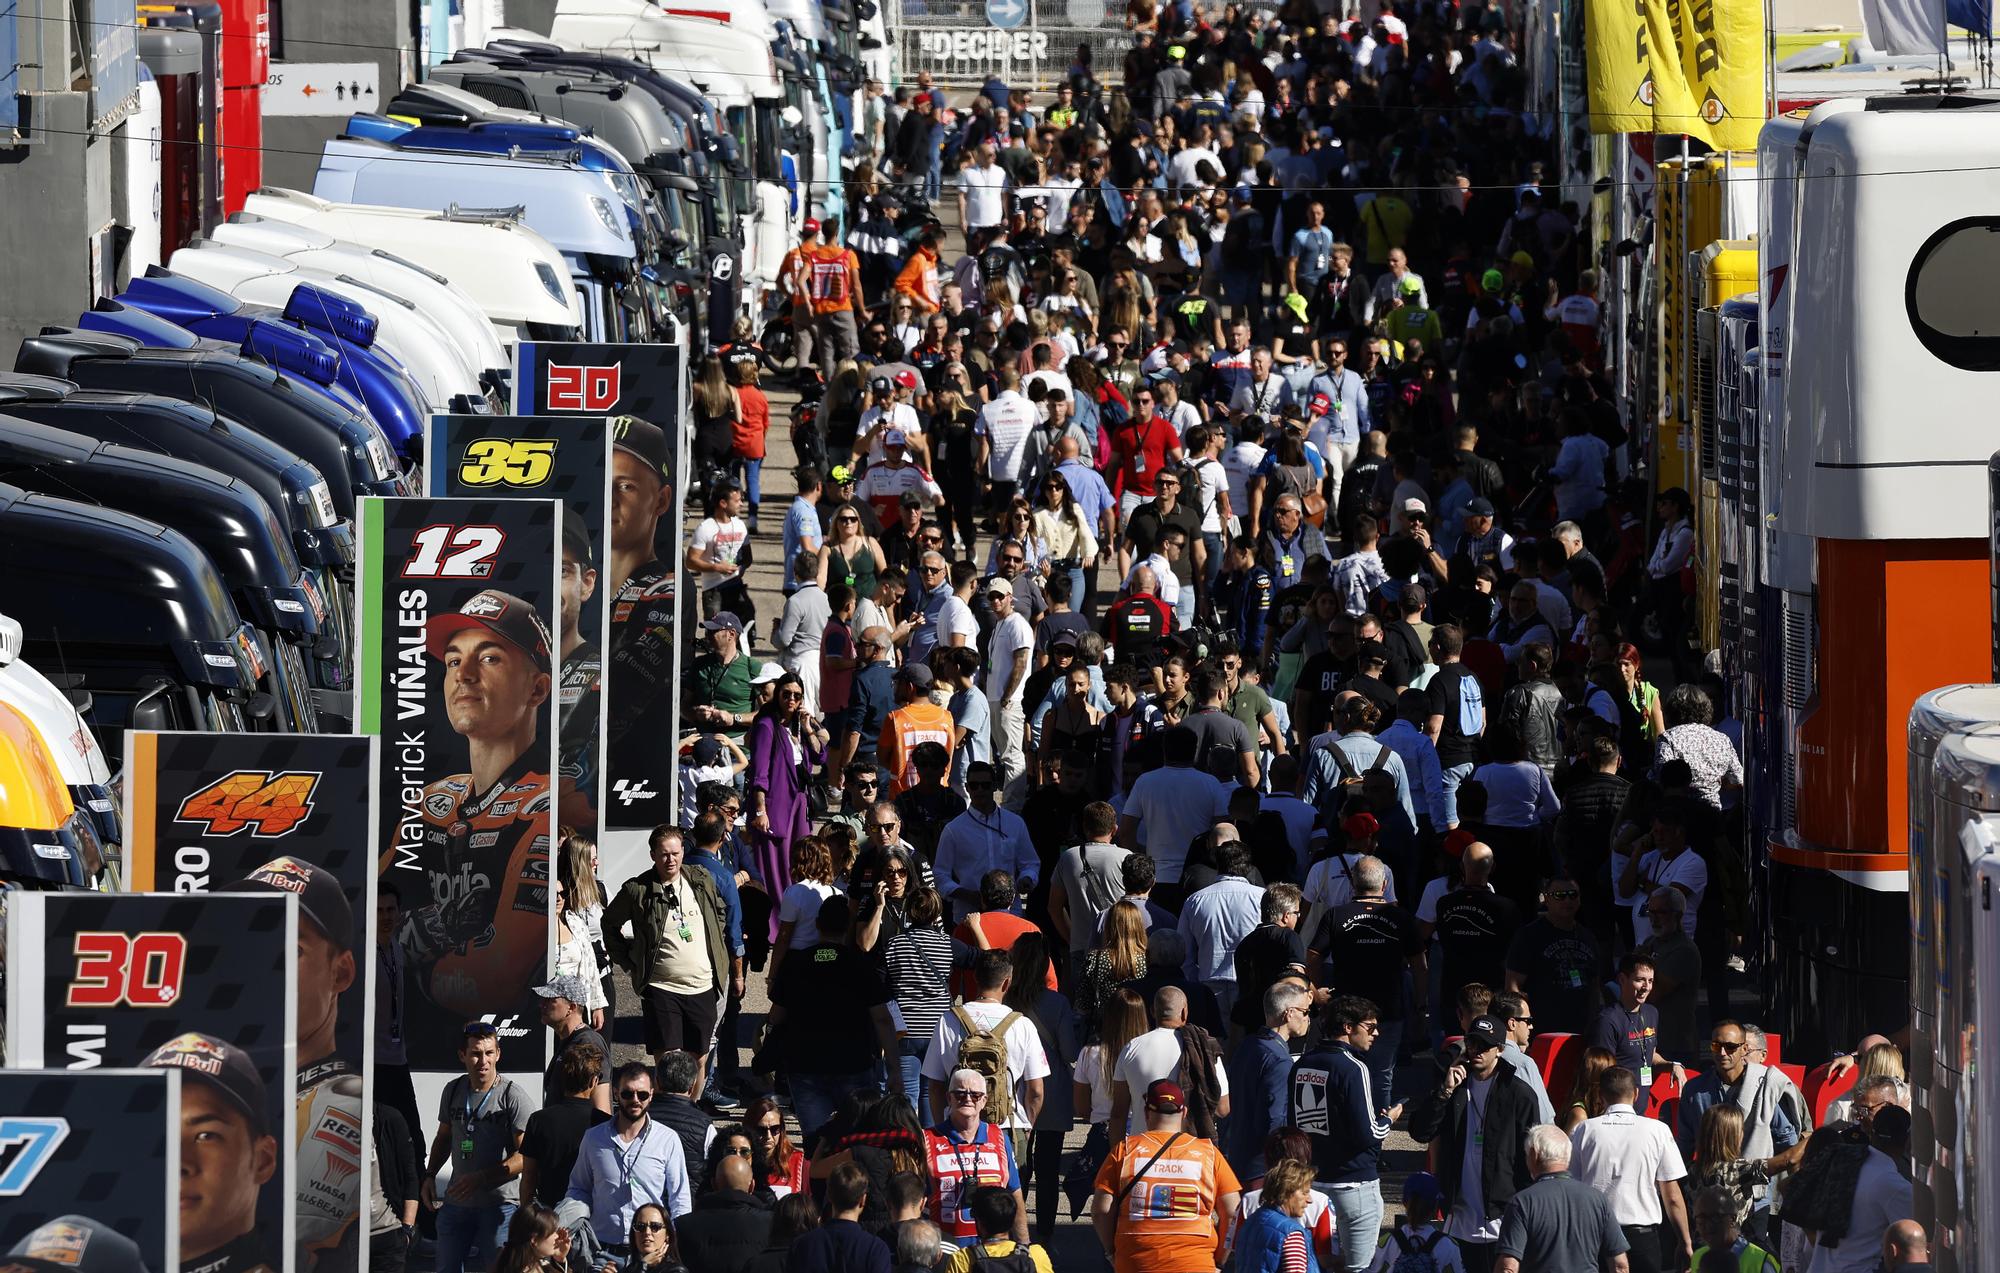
(966, 1153)
(1333, 1102)
(1556, 962)
(1774, 1127)
(629, 1162)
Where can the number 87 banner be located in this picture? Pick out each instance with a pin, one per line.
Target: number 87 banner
(457, 598)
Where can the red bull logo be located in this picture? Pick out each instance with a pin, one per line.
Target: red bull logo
(58, 1242)
(191, 1051)
(284, 873)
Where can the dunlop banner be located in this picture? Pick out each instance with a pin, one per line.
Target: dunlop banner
(1693, 67)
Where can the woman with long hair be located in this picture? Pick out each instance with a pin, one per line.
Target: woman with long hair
(652, 1237)
(952, 417)
(1119, 1020)
(798, 907)
(786, 746)
(713, 407)
(1719, 1161)
(795, 1214)
(1066, 299)
(1016, 526)
(849, 554)
(1119, 956)
(749, 431)
(903, 324)
(784, 1165)
(1291, 1145)
(1028, 994)
(574, 958)
(881, 1133)
(536, 1242)
(1585, 1098)
(1641, 693)
(1063, 537)
(1878, 1060)
(918, 963)
(578, 873)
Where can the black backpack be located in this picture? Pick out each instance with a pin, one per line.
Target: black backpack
(1018, 1260)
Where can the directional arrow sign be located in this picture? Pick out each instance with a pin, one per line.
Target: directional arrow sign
(323, 88)
(1007, 14)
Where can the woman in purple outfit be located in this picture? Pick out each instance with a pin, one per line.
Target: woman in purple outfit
(785, 744)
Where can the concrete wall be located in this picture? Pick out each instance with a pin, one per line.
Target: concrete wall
(57, 192)
(348, 31)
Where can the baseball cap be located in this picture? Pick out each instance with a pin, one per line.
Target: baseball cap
(766, 674)
(569, 986)
(1176, 52)
(1371, 651)
(1492, 281)
(1319, 404)
(724, 621)
(894, 437)
(1064, 638)
(810, 227)
(706, 752)
(575, 535)
(501, 613)
(644, 439)
(223, 1065)
(881, 384)
(1522, 259)
(906, 379)
(841, 474)
(1479, 506)
(1414, 505)
(1166, 1097)
(1359, 826)
(1484, 1032)
(1411, 285)
(321, 898)
(1420, 1191)
(998, 587)
(1296, 302)
(909, 499)
(77, 1244)
(914, 674)
(1456, 842)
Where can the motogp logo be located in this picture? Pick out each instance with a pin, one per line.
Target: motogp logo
(583, 388)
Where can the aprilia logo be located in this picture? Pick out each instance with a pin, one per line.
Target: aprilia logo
(583, 388)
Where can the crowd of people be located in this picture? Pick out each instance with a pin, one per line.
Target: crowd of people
(1209, 708)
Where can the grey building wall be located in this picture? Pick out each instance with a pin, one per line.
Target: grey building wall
(57, 184)
(344, 31)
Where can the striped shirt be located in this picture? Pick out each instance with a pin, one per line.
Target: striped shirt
(919, 962)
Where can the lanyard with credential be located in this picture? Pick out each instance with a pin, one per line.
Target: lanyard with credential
(472, 1115)
(626, 1162)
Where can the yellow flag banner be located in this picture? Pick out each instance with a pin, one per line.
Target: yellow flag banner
(1676, 66)
(1721, 47)
(1618, 66)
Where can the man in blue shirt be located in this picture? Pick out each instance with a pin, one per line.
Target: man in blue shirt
(1260, 1076)
(930, 589)
(1337, 400)
(711, 835)
(802, 528)
(1312, 252)
(628, 1162)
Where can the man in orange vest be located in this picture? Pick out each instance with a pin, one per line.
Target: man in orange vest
(916, 720)
(834, 282)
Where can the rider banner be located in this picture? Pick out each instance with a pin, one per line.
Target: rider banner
(550, 457)
(283, 813)
(643, 388)
(456, 599)
(90, 1170)
(202, 985)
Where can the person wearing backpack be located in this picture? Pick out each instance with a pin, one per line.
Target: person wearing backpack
(1357, 772)
(1001, 1222)
(984, 1035)
(1418, 1243)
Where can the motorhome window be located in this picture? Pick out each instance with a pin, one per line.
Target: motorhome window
(767, 138)
(1952, 294)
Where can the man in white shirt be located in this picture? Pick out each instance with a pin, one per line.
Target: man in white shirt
(1667, 863)
(1059, 188)
(1263, 394)
(1089, 881)
(1635, 1163)
(1027, 1062)
(887, 410)
(1002, 428)
(1152, 1056)
(1009, 652)
(716, 544)
(1181, 172)
(982, 197)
